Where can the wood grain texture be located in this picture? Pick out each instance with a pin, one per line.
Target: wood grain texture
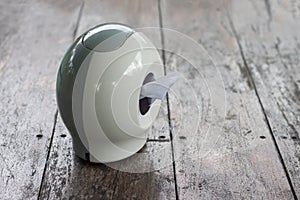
(68, 177)
(33, 37)
(231, 155)
(234, 114)
(270, 49)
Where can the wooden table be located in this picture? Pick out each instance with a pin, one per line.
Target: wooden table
(230, 129)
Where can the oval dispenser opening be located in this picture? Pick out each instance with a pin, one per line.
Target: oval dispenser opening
(145, 102)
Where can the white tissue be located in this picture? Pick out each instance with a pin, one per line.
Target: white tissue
(158, 89)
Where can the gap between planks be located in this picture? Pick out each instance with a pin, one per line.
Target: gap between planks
(250, 78)
(48, 153)
(167, 97)
(56, 112)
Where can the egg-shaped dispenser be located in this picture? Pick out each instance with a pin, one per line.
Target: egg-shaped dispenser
(98, 92)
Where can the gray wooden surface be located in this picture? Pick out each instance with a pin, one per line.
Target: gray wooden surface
(229, 129)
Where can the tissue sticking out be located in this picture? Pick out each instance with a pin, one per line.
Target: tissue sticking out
(155, 89)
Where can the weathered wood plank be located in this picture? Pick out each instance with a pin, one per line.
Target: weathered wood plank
(33, 36)
(231, 155)
(69, 177)
(270, 46)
